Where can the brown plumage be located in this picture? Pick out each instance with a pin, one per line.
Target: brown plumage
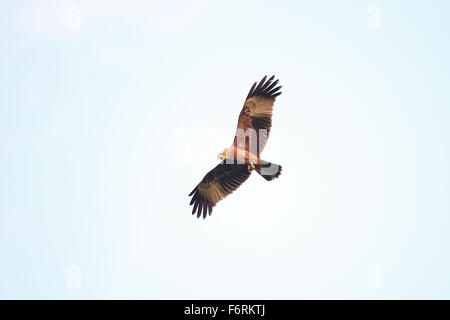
(216, 185)
(239, 160)
(255, 119)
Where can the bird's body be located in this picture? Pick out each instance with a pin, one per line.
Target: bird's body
(235, 153)
(243, 156)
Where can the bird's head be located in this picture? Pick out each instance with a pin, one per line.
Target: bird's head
(222, 155)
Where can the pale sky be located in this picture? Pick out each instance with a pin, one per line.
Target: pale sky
(110, 114)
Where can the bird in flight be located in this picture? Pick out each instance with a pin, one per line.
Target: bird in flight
(243, 157)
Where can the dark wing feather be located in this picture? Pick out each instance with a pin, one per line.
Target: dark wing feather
(255, 119)
(216, 185)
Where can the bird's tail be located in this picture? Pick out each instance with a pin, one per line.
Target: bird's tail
(268, 170)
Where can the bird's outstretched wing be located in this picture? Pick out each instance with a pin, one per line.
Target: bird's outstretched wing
(216, 185)
(256, 115)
